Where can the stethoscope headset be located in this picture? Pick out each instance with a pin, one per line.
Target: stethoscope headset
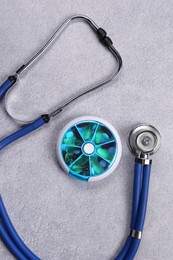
(144, 140)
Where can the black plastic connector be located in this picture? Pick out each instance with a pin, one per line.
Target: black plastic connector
(12, 78)
(46, 118)
(105, 40)
(20, 69)
(101, 33)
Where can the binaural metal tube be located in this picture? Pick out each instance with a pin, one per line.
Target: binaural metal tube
(108, 43)
(92, 88)
(53, 37)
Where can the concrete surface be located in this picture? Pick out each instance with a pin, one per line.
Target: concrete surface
(58, 217)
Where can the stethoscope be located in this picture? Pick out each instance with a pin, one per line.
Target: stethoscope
(144, 140)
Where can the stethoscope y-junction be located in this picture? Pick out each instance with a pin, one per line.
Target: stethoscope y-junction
(92, 143)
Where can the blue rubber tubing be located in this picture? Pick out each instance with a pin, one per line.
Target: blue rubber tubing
(22, 132)
(141, 212)
(136, 192)
(136, 195)
(133, 249)
(5, 86)
(9, 243)
(16, 244)
(13, 234)
(143, 198)
(125, 249)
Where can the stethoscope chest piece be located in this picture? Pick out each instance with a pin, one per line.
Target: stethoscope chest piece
(144, 139)
(89, 148)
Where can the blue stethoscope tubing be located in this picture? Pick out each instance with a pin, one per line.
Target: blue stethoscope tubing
(11, 238)
(24, 131)
(6, 86)
(139, 206)
(140, 196)
(9, 243)
(142, 172)
(7, 231)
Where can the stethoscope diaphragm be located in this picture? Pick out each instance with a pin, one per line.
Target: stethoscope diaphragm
(89, 148)
(144, 139)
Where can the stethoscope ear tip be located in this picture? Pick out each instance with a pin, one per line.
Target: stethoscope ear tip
(144, 139)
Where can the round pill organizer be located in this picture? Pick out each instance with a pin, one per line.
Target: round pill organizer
(89, 148)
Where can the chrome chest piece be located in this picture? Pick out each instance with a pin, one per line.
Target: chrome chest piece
(144, 140)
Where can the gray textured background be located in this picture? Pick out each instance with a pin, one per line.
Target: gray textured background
(57, 217)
